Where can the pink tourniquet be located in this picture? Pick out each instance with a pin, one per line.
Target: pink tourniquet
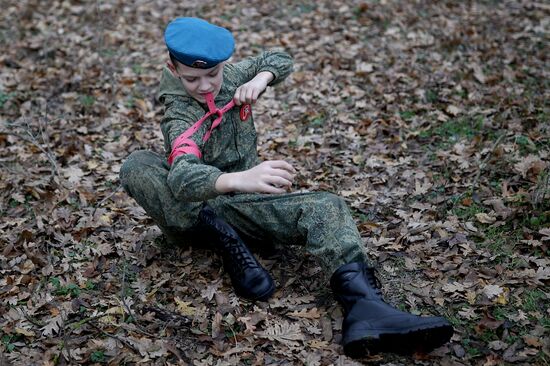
(183, 143)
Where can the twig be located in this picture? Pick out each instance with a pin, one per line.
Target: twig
(169, 317)
(18, 135)
(484, 163)
(106, 198)
(139, 329)
(542, 187)
(46, 138)
(79, 323)
(31, 320)
(32, 139)
(114, 336)
(127, 307)
(66, 345)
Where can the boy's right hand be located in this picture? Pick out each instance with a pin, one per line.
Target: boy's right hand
(273, 176)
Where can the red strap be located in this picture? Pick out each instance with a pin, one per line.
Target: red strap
(184, 145)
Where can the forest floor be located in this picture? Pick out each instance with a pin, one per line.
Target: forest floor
(430, 118)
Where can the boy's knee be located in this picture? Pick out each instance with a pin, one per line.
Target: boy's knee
(136, 161)
(332, 200)
(134, 166)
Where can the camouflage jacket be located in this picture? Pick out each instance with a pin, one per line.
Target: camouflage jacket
(232, 147)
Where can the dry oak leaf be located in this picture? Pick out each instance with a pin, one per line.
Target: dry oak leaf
(468, 313)
(184, 307)
(210, 290)
(531, 165)
(317, 344)
(422, 188)
(485, 218)
(284, 332)
(546, 233)
(478, 73)
(543, 273)
(304, 313)
(53, 326)
(492, 291)
(381, 241)
(453, 287)
(499, 207)
(73, 174)
(18, 197)
(453, 110)
(147, 347)
(532, 341)
(364, 68)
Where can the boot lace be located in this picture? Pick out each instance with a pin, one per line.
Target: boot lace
(371, 274)
(240, 257)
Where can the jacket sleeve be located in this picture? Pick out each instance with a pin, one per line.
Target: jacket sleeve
(279, 63)
(189, 178)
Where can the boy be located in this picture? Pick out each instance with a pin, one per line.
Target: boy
(212, 184)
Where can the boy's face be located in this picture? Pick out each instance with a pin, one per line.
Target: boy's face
(198, 82)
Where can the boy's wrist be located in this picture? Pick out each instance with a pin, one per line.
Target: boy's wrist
(226, 183)
(266, 76)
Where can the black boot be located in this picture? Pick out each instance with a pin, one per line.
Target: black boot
(250, 280)
(371, 325)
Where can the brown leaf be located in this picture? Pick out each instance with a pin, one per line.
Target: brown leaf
(306, 314)
(531, 166)
(487, 323)
(216, 325)
(478, 73)
(532, 341)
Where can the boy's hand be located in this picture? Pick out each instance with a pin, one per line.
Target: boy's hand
(248, 93)
(275, 176)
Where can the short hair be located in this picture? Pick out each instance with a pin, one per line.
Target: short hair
(173, 60)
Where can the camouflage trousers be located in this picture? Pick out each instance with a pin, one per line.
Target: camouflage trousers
(319, 221)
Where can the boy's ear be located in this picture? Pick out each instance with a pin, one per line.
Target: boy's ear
(172, 68)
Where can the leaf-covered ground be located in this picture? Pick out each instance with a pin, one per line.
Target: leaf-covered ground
(430, 118)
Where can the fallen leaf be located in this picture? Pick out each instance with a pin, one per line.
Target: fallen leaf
(485, 218)
(25, 332)
(364, 68)
(543, 273)
(478, 73)
(317, 344)
(453, 110)
(53, 326)
(216, 325)
(73, 174)
(210, 290)
(532, 341)
(306, 314)
(492, 291)
(184, 307)
(283, 332)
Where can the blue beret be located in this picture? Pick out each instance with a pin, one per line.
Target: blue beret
(196, 43)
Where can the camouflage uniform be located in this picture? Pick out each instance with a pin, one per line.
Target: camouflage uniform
(173, 195)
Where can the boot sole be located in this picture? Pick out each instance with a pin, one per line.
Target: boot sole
(422, 340)
(262, 297)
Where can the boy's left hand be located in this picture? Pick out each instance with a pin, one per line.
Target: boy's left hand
(248, 93)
